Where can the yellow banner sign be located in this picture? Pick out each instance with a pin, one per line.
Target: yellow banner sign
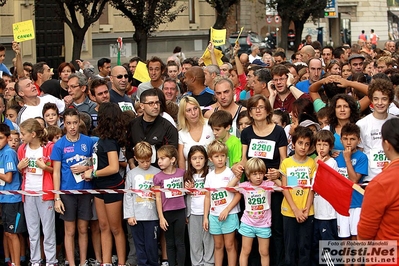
(141, 72)
(218, 37)
(23, 31)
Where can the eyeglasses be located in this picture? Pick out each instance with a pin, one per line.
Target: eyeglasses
(73, 86)
(10, 89)
(258, 108)
(122, 76)
(279, 80)
(152, 104)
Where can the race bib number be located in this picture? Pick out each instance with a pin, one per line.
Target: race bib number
(256, 201)
(173, 183)
(142, 184)
(126, 106)
(343, 171)
(2, 182)
(219, 198)
(298, 176)
(199, 184)
(261, 148)
(33, 168)
(378, 158)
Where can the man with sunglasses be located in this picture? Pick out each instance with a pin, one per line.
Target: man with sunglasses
(119, 81)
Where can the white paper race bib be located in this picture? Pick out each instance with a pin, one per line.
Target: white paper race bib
(142, 184)
(378, 159)
(298, 176)
(173, 183)
(126, 106)
(343, 171)
(199, 183)
(94, 159)
(220, 198)
(256, 201)
(261, 148)
(154, 154)
(32, 168)
(78, 176)
(2, 182)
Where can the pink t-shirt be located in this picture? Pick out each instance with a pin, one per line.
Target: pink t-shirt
(257, 211)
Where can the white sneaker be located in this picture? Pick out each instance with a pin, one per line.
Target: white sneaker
(165, 263)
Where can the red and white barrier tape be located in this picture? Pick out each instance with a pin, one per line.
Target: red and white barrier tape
(137, 191)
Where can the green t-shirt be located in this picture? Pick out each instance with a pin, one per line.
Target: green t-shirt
(234, 153)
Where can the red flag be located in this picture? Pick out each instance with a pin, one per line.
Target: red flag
(333, 187)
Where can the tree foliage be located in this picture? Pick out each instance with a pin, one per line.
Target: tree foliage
(146, 16)
(222, 8)
(3, 2)
(91, 11)
(297, 11)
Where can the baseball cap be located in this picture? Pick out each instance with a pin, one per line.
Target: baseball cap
(355, 56)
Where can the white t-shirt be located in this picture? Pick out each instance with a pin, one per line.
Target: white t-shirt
(34, 174)
(251, 58)
(28, 111)
(393, 110)
(197, 199)
(187, 141)
(371, 142)
(322, 209)
(220, 199)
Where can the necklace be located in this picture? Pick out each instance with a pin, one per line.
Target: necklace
(72, 140)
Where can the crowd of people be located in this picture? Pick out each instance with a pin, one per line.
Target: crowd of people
(252, 120)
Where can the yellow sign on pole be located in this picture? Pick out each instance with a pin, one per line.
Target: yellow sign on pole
(208, 60)
(23, 31)
(141, 72)
(218, 37)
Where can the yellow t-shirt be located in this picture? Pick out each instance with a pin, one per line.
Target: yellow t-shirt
(297, 173)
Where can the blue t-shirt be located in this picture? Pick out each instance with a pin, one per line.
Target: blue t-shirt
(8, 163)
(69, 154)
(4, 69)
(360, 165)
(303, 86)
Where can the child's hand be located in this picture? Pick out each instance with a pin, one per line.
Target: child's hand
(23, 163)
(347, 154)
(188, 184)
(163, 224)
(40, 163)
(305, 213)
(223, 215)
(205, 224)
(78, 169)
(335, 154)
(300, 217)
(132, 221)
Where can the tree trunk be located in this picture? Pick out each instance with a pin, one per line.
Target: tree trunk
(299, 26)
(140, 36)
(220, 21)
(285, 24)
(78, 38)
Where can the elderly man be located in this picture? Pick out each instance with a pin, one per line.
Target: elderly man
(33, 104)
(211, 72)
(254, 53)
(307, 53)
(77, 88)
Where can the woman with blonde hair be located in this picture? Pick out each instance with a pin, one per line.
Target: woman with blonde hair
(193, 128)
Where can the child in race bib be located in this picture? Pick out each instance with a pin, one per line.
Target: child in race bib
(256, 219)
(201, 248)
(171, 205)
